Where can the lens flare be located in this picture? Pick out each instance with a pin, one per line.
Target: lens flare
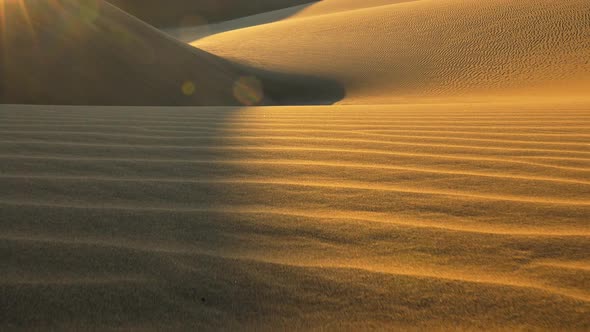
(188, 88)
(248, 90)
(24, 13)
(90, 11)
(15, 11)
(2, 22)
(27, 17)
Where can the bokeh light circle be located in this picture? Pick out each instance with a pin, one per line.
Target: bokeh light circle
(188, 88)
(248, 90)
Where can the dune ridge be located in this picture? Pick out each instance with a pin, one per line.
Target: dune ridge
(186, 12)
(69, 52)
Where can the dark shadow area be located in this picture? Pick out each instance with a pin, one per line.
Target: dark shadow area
(173, 13)
(70, 53)
(295, 89)
(118, 218)
(91, 53)
(91, 237)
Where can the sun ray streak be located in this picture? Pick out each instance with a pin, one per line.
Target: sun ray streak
(3, 40)
(3, 22)
(27, 17)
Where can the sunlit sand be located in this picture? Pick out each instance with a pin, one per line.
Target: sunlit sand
(338, 165)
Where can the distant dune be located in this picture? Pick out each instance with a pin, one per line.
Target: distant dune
(91, 53)
(177, 12)
(424, 50)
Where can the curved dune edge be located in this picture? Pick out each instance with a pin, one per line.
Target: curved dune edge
(435, 51)
(67, 52)
(187, 12)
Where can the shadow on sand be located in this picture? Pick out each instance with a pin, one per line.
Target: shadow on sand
(50, 55)
(285, 89)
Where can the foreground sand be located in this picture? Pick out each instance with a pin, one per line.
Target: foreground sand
(430, 216)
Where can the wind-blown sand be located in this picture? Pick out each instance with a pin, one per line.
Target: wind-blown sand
(466, 207)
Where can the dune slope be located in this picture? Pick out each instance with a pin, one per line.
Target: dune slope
(336, 217)
(89, 52)
(189, 12)
(425, 50)
(418, 215)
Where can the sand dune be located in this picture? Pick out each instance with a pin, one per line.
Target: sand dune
(340, 217)
(461, 202)
(425, 50)
(187, 12)
(91, 53)
(192, 32)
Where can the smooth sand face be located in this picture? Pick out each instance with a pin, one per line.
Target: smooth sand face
(416, 216)
(426, 50)
(91, 53)
(172, 13)
(189, 33)
(339, 217)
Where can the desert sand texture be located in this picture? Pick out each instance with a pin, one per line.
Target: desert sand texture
(412, 165)
(424, 50)
(337, 217)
